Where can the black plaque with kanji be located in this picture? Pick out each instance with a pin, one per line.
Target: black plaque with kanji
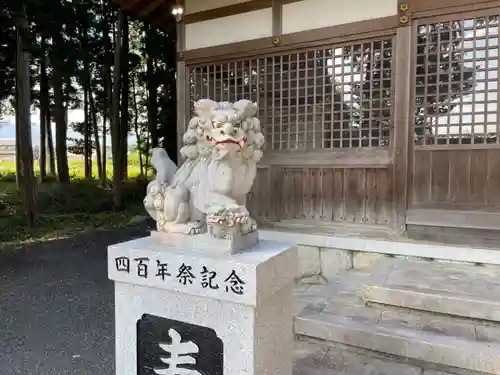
(171, 347)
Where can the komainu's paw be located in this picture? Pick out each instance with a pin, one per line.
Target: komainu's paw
(190, 228)
(229, 217)
(249, 226)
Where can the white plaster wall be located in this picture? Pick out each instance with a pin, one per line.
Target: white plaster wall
(193, 6)
(232, 29)
(314, 14)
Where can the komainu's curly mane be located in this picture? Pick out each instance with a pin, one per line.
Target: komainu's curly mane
(241, 114)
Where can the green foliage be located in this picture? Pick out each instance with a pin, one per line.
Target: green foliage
(71, 45)
(75, 31)
(66, 209)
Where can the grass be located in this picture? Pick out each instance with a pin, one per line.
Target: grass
(65, 210)
(76, 168)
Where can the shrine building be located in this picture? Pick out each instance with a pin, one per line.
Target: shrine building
(381, 117)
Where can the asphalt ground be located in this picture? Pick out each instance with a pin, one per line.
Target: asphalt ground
(56, 306)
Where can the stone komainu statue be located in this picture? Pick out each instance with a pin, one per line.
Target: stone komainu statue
(222, 146)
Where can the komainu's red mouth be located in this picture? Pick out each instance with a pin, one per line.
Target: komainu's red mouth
(227, 141)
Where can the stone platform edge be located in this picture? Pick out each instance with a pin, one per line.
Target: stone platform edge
(464, 253)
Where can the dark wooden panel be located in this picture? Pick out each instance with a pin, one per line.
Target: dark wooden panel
(316, 193)
(350, 196)
(384, 200)
(258, 201)
(298, 199)
(288, 194)
(493, 177)
(307, 193)
(456, 218)
(263, 191)
(327, 194)
(338, 201)
(422, 177)
(440, 173)
(456, 176)
(354, 185)
(478, 176)
(372, 196)
(276, 198)
(459, 175)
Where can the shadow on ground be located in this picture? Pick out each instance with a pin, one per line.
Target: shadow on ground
(57, 306)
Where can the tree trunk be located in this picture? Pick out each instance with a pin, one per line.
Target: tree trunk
(44, 108)
(61, 129)
(93, 111)
(67, 88)
(116, 141)
(50, 144)
(87, 149)
(25, 172)
(152, 87)
(95, 130)
(107, 85)
(125, 96)
(104, 148)
(136, 126)
(87, 152)
(18, 137)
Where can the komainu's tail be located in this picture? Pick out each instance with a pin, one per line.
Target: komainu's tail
(164, 166)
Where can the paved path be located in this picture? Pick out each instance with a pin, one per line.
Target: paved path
(56, 307)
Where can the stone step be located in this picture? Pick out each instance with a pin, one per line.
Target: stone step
(434, 348)
(437, 301)
(318, 359)
(453, 289)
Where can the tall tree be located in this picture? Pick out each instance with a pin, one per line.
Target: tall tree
(60, 116)
(44, 108)
(116, 141)
(152, 86)
(87, 149)
(106, 30)
(124, 125)
(23, 125)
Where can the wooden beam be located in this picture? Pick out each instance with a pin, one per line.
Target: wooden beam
(153, 4)
(472, 219)
(341, 158)
(128, 4)
(464, 147)
(229, 10)
(362, 30)
(450, 6)
(277, 10)
(402, 141)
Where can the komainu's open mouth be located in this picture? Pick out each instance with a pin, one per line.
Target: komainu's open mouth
(227, 141)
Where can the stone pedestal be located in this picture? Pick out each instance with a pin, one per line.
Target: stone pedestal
(200, 312)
